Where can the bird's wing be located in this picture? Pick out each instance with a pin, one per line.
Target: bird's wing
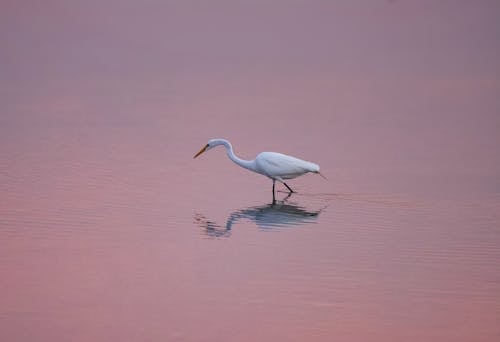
(280, 165)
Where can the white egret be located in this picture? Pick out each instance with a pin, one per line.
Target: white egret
(276, 166)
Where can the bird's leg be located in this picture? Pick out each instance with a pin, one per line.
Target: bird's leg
(287, 197)
(274, 198)
(290, 189)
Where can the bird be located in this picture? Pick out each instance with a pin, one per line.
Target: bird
(276, 166)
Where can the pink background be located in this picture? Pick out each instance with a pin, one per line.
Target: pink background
(104, 213)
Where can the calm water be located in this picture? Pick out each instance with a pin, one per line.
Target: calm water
(110, 230)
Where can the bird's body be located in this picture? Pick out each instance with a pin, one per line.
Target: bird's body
(280, 166)
(276, 166)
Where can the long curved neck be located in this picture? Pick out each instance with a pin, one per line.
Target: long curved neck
(247, 164)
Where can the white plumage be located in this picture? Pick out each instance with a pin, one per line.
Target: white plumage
(274, 165)
(280, 166)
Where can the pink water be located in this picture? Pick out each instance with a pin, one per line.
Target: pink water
(109, 230)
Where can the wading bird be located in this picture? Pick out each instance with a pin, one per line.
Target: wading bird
(276, 166)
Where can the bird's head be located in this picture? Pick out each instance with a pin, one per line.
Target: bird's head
(211, 144)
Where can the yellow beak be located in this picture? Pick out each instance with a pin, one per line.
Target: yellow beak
(201, 151)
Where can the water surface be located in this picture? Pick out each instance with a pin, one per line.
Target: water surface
(110, 230)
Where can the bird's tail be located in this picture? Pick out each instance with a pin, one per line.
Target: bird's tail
(319, 173)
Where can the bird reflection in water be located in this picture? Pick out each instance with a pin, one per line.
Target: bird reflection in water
(274, 216)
